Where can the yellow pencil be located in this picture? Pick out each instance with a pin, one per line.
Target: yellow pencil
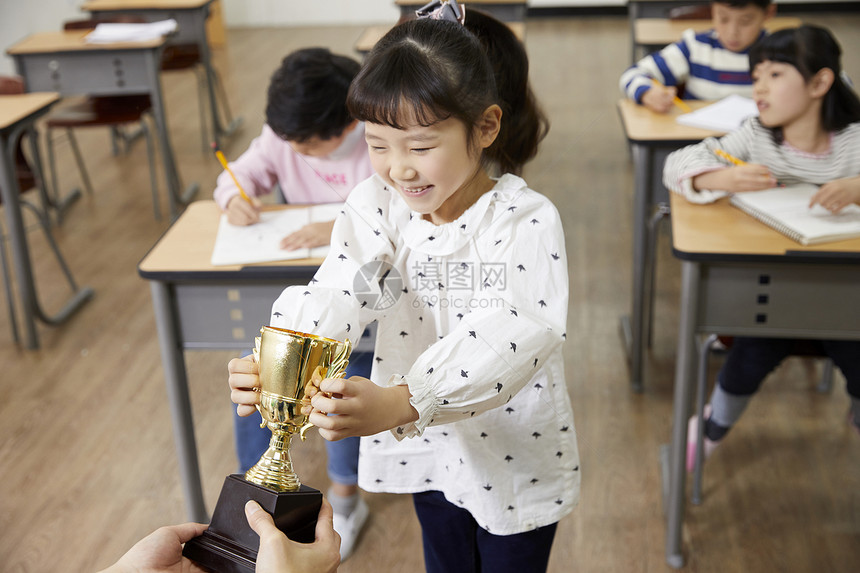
(223, 161)
(677, 101)
(730, 158)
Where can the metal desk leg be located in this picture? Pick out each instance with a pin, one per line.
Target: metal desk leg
(173, 362)
(15, 226)
(632, 16)
(212, 81)
(171, 173)
(642, 171)
(684, 380)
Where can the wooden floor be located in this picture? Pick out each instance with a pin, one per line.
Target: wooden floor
(87, 462)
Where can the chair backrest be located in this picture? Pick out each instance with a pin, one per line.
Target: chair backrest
(12, 85)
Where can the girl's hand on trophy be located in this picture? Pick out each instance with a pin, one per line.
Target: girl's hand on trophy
(244, 383)
(363, 408)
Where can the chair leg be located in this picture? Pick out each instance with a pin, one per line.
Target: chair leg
(826, 383)
(7, 282)
(701, 389)
(46, 228)
(203, 106)
(79, 158)
(150, 153)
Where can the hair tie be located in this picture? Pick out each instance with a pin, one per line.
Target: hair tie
(442, 10)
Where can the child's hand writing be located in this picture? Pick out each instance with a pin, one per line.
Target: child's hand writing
(738, 179)
(659, 98)
(309, 236)
(240, 212)
(363, 408)
(836, 195)
(244, 383)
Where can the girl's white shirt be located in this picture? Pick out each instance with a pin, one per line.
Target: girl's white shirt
(472, 318)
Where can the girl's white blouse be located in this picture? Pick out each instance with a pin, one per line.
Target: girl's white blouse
(471, 316)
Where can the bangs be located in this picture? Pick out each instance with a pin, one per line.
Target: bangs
(782, 46)
(406, 80)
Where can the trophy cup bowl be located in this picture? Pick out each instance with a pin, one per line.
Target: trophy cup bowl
(289, 362)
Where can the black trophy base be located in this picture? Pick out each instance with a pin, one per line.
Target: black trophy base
(230, 545)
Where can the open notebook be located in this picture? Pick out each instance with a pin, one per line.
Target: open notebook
(260, 242)
(786, 209)
(725, 115)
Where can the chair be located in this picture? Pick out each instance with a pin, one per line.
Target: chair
(28, 179)
(800, 348)
(187, 56)
(114, 112)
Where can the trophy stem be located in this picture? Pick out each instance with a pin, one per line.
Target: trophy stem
(275, 469)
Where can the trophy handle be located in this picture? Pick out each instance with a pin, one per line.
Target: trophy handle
(336, 368)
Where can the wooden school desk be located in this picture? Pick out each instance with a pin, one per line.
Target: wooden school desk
(18, 113)
(647, 133)
(504, 10)
(191, 16)
(198, 306)
(64, 62)
(655, 33)
(739, 277)
(637, 9)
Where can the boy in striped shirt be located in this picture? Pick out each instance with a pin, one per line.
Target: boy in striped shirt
(711, 65)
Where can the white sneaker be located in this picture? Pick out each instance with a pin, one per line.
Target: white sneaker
(349, 526)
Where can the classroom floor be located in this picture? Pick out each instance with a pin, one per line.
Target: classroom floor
(87, 462)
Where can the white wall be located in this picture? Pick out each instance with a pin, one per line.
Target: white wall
(19, 18)
(308, 12)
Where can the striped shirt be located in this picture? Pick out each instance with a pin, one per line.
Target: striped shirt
(754, 143)
(700, 62)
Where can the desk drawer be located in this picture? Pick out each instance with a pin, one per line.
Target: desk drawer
(89, 72)
(224, 316)
(812, 301)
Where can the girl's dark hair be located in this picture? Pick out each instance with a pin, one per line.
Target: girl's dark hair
(810, 49)
(431, 70)
(307, 95)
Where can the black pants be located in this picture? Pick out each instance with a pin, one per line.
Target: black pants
(454, 543)
(750, 360)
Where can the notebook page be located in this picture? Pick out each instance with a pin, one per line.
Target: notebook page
(260, 242)
(789, 206)
(725, 115)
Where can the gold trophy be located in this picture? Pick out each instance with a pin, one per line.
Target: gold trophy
(289, 362)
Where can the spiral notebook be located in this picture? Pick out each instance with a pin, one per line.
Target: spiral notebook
(786, 209)
(260, 242)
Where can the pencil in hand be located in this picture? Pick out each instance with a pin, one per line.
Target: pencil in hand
(676, 100)
(728, 157)
(223, 161)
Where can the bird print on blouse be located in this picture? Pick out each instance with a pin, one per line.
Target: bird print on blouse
(477, 338)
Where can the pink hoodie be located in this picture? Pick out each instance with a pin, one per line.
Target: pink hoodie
(302, 179)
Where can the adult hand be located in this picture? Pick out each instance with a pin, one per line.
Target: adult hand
(161, 552)
(659, 98)
(309, 236)
(244, 381)
(278, 554)
(240, 212)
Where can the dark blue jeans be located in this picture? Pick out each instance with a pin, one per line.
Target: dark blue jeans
(252, 441)
(454, 543)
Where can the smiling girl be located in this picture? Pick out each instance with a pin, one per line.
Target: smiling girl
(807, 131)
(467, 407)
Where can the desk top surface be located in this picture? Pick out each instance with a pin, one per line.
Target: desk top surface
(14, 108)
(186, 247)
(654, 31)
(641, 125)
(72, 41)
(720, 230)
(96, 5)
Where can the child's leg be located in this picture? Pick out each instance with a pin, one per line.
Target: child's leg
(749, 361)
(846, 355)
(454, 543)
